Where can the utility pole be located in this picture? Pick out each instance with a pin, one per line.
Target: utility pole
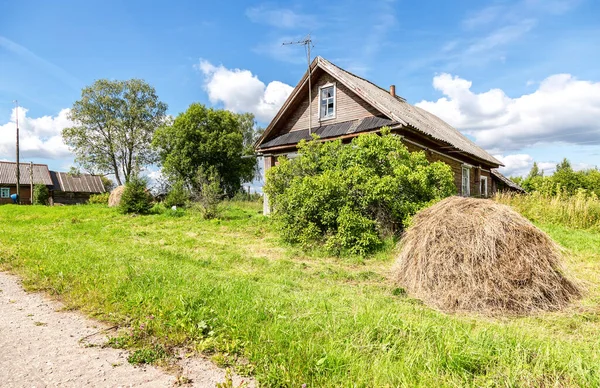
(307, 43)
(31, 181)
(18, 170)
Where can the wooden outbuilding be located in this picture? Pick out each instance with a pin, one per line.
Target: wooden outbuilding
(344, 106)
(64, 188)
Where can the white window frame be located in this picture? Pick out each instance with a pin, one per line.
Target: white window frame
(484, 182)
(334, 101)
(4, 190)
(467, 169)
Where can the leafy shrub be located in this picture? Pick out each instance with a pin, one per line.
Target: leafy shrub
(136, 198)
(41, 194)
(207, 192)
(178, 195)
(350, 197)
(99, 199)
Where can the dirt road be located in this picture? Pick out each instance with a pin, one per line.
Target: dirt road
(40, 347)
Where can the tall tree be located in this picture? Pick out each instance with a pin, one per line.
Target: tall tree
(114, 125)
(203, 138)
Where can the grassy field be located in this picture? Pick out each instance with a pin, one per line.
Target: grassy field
(230, 289)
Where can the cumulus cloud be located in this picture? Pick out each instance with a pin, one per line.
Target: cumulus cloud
(240, 91)
(520, 165)
(39, 137)
(562, 110)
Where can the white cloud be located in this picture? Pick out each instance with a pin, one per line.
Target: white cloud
(281, 17)
(240, 91)
(562, 110)
(39, 137)
(520, 165)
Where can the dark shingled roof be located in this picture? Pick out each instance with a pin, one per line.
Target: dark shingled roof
(506, 181)
(329, 131)
(82, 183)
(8, 174)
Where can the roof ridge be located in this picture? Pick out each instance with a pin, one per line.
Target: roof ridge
(361, 78)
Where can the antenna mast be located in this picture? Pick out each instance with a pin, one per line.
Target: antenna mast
(307, 43)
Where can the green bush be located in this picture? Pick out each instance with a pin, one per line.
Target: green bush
(41, 194)
(178, 195)
(136, 198)
(99, 199)
(350, 197)
(207, 192)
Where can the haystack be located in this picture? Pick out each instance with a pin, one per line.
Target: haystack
(115, 196)
(475, 255)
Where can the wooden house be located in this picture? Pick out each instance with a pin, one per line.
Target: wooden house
(70, 189)
(344, 105)
(64, 188)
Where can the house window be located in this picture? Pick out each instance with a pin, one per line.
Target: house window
(4, 192)
(327, 102)
(483, 187)
(466, 181)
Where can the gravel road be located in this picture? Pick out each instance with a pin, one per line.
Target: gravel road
(40, 347)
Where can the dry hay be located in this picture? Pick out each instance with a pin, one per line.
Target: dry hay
(475, 255)
(115, 196)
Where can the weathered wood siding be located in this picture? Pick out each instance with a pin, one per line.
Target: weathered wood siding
(25, 194)
(456, 167)
(348, 106)
(65, 198)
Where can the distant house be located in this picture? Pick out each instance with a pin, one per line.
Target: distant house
(344, 105)
(64, 188)
(8, 180)
(69, 189)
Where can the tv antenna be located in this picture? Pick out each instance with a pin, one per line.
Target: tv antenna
(307, 43)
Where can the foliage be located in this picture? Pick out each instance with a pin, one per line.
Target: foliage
(136, 198)
(580, 211)
(99, 199)
(228, 286)
(108, 184)
(350, 196)
(41, 195)
(178, 195)
(205, 138)
(114, 122)
(243, 195)
(564, 181)
(206, 192)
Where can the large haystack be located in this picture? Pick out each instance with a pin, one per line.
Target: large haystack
(466, 254)
(115, 196)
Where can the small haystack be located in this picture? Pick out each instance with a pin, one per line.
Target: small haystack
(475, 255)
(115, 196)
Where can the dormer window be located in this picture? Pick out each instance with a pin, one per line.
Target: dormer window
(327, 102)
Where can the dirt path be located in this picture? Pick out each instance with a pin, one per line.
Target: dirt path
(40, 347)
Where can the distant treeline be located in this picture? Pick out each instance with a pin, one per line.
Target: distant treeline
(564, 181)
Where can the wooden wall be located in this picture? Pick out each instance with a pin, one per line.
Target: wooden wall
(64, 198)
(25, 194)
(348, 107)
(456, 167)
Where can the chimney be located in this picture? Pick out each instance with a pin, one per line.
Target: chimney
(393, 90)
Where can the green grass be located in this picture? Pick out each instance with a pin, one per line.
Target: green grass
(230, 289)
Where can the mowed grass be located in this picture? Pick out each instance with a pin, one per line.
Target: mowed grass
(229, 289)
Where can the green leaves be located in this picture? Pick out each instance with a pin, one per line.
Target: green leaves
(114, 124)
(349, 197)
(207, 138)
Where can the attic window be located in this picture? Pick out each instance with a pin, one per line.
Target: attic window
(327, 102)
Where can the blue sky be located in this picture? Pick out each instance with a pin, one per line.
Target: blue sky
(519, 77)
